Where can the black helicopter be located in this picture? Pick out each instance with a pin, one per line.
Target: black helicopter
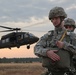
(16, 38)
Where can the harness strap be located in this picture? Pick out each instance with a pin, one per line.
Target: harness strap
(62, 37)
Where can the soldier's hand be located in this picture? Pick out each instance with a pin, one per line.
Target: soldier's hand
(52, 54)
(59, 44)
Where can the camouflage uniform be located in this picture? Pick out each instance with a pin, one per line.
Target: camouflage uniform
(48, 42)
(71, 22)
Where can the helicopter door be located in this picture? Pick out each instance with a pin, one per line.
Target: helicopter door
(22, 36)
(19, 37)
(13, 39)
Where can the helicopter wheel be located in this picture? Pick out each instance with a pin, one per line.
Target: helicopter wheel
(9, 47)
(18, 46)
(28, 46)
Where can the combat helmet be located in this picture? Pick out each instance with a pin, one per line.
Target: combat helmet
(57, 11)
(69, 22)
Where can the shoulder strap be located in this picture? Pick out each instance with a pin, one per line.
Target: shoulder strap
(62, 37)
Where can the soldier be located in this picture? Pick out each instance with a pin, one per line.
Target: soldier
(70, 25)
(56, 47)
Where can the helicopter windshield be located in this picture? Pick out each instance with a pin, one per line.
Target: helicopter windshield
(31, 35)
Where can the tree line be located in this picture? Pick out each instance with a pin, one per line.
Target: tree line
(19, 60)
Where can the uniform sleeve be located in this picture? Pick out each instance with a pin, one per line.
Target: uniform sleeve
(71, 46)
(40, 48)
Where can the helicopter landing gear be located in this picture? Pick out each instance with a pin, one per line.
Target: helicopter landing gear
(9, 47)
(18, 46)
(28, 46)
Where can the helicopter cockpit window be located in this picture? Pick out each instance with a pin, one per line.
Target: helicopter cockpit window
(26, 35)
(31, 35)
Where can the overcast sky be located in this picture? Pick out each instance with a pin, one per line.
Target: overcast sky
(23, 13)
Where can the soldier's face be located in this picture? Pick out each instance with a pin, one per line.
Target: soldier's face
(70, 28)
(55, 21)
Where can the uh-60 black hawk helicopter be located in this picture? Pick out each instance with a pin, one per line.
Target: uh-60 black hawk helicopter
(16, 38)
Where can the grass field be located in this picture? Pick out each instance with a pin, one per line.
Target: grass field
(21, 68)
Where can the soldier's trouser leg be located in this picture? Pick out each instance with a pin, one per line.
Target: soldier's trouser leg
(58, 73)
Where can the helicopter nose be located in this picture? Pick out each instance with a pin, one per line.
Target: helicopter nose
(36, 39)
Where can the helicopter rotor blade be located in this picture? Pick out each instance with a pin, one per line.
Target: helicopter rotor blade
(11, 29)
(6, 27)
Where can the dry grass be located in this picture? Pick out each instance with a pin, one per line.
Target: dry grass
(21, 69)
